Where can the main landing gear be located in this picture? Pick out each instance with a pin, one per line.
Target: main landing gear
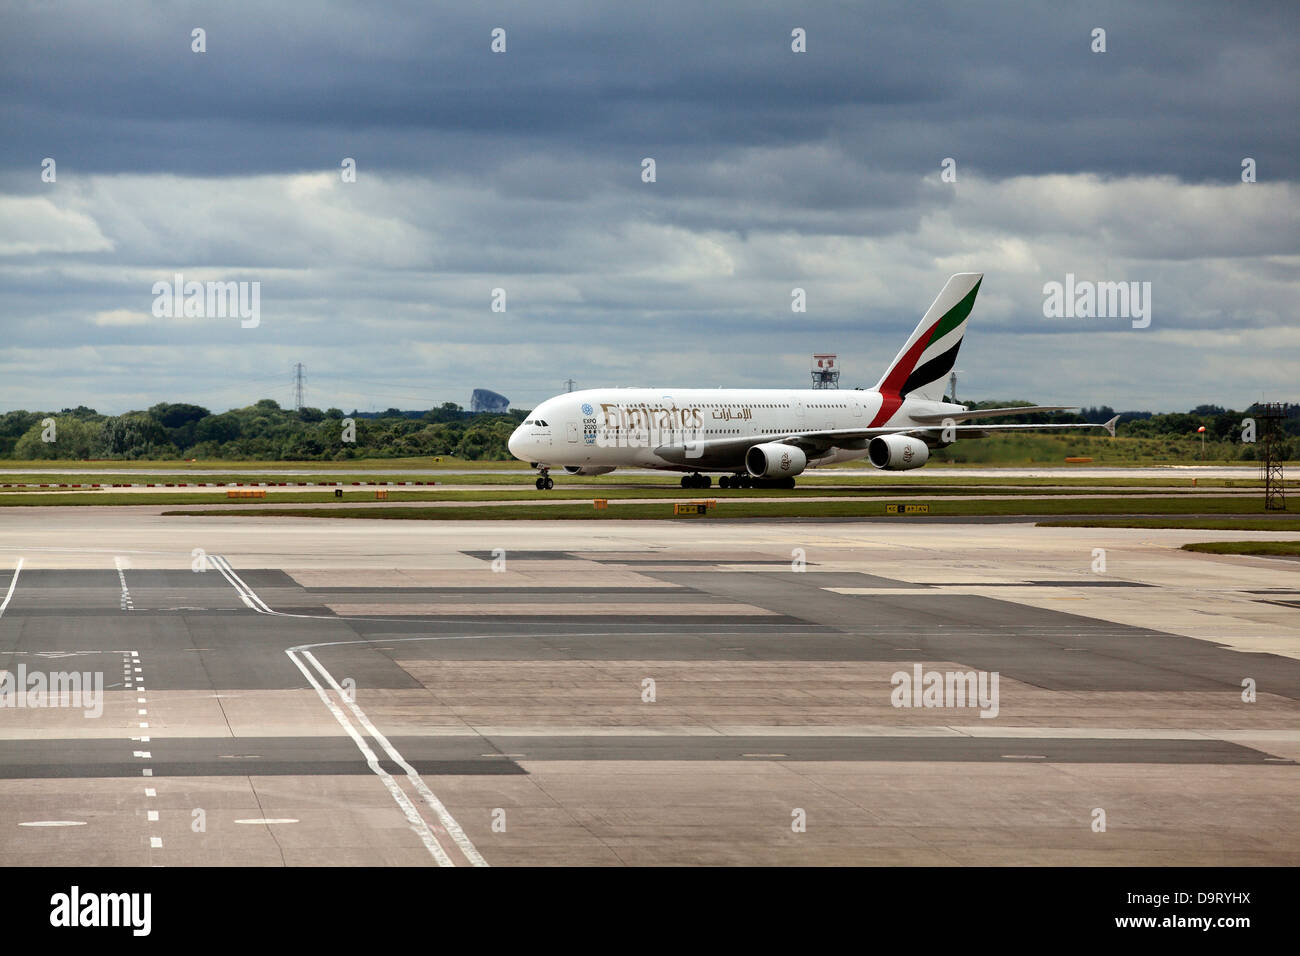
(544, 481)
(697, 481)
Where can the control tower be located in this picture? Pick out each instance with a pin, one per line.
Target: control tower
(825, 372)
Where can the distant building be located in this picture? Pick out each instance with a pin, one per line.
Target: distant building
(484, 401)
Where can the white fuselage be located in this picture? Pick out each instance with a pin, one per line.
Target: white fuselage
(606, 428)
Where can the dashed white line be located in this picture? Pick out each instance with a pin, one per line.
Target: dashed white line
(126, 595)
(155, 842)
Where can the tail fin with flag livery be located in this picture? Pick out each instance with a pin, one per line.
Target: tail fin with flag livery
(922, 366)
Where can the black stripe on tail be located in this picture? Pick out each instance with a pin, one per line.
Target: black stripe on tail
(931, 371)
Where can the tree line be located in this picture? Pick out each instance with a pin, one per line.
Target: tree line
(264, 431)
(1236, 433)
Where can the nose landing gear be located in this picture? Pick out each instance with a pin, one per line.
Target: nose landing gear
(544, 481)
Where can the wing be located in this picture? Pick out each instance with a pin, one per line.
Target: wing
(730, 452)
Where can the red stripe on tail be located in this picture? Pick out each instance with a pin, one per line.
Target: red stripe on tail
(898, 375)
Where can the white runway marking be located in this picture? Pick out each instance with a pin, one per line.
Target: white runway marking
(54, 823)
(268, 821)
(413, 817)
(251, 600)
(12, 582)
(448, 821)
(126, 595)
(132, 659)
(418, 823)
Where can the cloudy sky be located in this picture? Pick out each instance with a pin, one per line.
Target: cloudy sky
(523, 171)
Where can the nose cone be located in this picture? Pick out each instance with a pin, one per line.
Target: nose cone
(516, 444)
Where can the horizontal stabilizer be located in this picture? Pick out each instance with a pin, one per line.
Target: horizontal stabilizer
(993, 413)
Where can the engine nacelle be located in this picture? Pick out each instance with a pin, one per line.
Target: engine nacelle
(588, 469)
(775, 460)
(897, 452)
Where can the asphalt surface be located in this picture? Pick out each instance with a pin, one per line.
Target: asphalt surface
(176, 613)
(513, 681)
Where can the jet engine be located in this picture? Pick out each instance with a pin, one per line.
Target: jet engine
(588, 469)
(775, 460)
(897, 452)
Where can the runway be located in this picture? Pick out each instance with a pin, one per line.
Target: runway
(549, 692)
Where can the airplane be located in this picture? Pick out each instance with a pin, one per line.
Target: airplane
(765, 437)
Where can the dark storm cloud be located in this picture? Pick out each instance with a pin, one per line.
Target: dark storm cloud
(1185, 88)
(522, 171)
